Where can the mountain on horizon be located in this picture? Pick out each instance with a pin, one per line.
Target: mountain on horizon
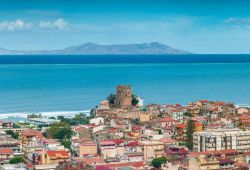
(97, 49)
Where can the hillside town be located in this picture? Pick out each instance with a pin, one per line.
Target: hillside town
(122, 133)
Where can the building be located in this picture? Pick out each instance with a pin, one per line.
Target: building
(6, 141)
(13, 167)
(6, 154)
(223, 159)
(28, 134)
(123, 96)
(87, 148)
(50, 157)
(222, 139)
(152, 149)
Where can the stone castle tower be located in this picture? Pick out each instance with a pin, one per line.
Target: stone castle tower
(123, 96)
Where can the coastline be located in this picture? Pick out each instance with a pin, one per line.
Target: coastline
(19, 116)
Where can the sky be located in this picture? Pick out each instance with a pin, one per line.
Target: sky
(198, 26)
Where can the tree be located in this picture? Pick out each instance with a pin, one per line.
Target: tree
(188, 114)
(189, 133)
(16, 160)
(159, 131)
(14, 135)
(66, 143)
(136, 121)
(158, 161)
(16, 126)
(111, 99)
(135, 101)
(59, 130)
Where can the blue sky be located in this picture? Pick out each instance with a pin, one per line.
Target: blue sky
(199, 26)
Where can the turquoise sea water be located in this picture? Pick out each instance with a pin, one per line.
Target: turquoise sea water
(67, 87)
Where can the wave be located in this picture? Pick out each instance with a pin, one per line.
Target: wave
(47, 114)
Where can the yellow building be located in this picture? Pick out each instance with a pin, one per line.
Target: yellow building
(51, 157)
(87, 148)
(152, 149)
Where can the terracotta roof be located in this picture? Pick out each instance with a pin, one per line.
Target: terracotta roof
(203, 101)
(58, 154)
(134, 143)
(88, 144)
(107, 142)
(228, 151)
(4, 151)
(118, 141)
(167, 119)
(102, 167)
(91, 160)
(121, 164)
(32, 133)
(168, 140)
(181, 125)
(49, 141)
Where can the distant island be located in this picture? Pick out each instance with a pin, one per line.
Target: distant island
(97, 49)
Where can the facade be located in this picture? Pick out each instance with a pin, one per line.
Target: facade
(6, 154)
(87, 148)
(152, 149)
(223, 159)
(222, 139)
(6, 141)
(123, 96)
(50, 157)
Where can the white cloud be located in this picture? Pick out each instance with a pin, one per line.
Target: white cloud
(17, 25)
(238, 21)
(58, 24)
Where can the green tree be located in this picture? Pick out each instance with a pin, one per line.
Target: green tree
(14, 135)
(111, 99)
(136, 121)
(59, 130)
(159, 131)
(158, 161)
(135, 101)
(16, 126)
(189, 133)
(16, 160)
(188, 114)
(66, 143)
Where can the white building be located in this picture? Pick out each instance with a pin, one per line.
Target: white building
(221, 139)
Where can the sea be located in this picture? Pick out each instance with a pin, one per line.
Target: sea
(70, 84)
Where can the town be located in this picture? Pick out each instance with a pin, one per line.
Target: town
(122, 133)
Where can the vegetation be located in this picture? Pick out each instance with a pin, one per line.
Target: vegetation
(14, 135)
(189, 133)
(16, 160)
(159, 131)
(158, 161)
(60, 130)
(188, 114)
(16, 126)
(135, 101)
(111, 99)
(136, 121)
(66, 142)
(80, 118)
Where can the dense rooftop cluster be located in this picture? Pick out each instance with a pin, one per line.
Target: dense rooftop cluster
(120, 135)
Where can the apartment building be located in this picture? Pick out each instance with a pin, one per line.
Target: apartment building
(221, 139)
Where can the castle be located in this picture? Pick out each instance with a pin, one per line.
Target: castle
(123, 96)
